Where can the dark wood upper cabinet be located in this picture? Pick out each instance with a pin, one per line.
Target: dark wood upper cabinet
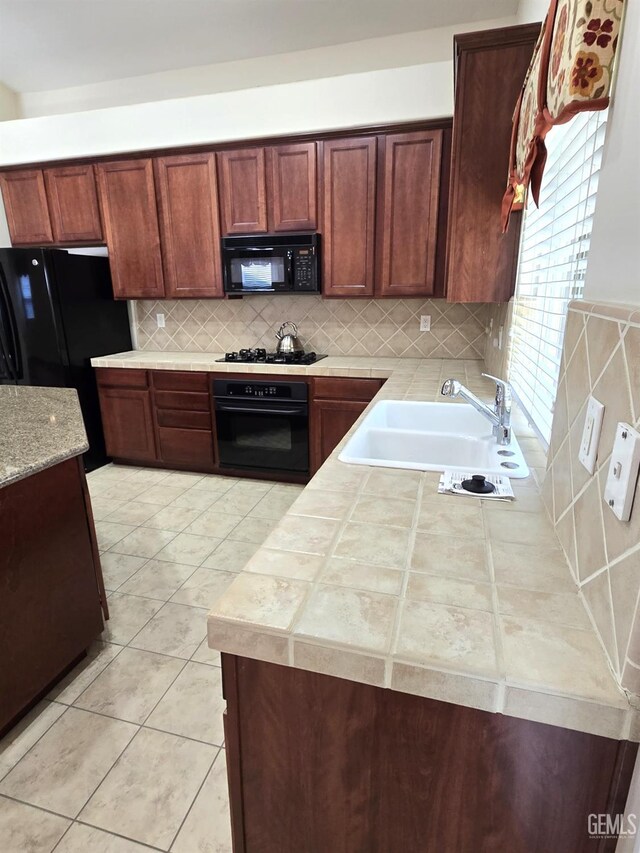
(188, 205)
(408, 221)
(348, 216)
(128, 199)
(25, 202)
(73, 204)
(243, 191)
(490, 69)
(291, 187)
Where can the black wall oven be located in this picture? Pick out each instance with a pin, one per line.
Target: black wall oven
(272, 264)
(262, 426)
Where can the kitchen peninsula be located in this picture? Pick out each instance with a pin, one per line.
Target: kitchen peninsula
(410, 671)
(51, 593)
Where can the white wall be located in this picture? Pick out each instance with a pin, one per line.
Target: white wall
(8, 110)
(9, 105)
(613, 272)
(397, 51)
(393, 95)
(531, 11)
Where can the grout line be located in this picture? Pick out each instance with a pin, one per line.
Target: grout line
(615, 652)
(402, 596)
(635, 415)
(109, 832)
(59, 841)
(201, 786)
(4, 776)
(15, 799)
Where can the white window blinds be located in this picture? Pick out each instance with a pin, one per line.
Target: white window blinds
(553, 260)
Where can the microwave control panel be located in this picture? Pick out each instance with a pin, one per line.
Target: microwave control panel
(304, 277)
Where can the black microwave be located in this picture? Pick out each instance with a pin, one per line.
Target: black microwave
(271, 264)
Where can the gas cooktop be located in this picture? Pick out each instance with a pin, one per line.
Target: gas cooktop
(261, 356)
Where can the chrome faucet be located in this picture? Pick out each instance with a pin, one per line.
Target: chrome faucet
(500, 415)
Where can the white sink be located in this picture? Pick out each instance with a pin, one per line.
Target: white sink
(432, 437)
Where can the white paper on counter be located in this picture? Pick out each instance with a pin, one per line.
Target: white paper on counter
(451, 484)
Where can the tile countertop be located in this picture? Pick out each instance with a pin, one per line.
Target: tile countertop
(39, 427)
(374, 577)
(333, 365)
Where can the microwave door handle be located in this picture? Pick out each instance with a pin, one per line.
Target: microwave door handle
(290, 272)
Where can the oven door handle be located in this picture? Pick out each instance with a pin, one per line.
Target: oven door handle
(259, 410)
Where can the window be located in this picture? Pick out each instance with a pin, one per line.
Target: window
(553, 260)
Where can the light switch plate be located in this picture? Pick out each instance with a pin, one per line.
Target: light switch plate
(160, 320)
(623, 471)
(591, 434)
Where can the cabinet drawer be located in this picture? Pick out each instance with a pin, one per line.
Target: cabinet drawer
(186, 447)
(186, 420)
(180, 380)
(336, 388)
(119, 377)
(193, 401)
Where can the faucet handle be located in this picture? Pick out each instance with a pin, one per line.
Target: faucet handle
(503, 389)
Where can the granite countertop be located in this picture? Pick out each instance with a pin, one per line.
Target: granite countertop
(39, 427)
(374, 577)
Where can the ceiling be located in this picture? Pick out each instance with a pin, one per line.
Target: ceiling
(52, 44)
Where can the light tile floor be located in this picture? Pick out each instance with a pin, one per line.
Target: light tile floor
(127, 752)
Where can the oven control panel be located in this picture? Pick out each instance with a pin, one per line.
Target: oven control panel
(260, 390)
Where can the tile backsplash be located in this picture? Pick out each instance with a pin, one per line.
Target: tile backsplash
(601, 357)
(356, 327)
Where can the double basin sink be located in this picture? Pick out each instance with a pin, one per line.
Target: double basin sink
(432, 437)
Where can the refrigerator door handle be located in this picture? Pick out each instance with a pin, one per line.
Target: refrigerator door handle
(8, 346)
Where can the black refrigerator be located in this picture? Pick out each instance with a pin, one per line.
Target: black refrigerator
(57, 311)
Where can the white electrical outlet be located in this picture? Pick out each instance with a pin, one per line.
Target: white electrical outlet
(160, 320)
(588, 452)
(623, 471)
(425, 322)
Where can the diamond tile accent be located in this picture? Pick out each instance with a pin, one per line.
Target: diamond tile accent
(356, 327)
(601, 357)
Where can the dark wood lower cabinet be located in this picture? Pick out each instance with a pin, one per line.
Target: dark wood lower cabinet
(50, 584)
(332, 420)
(128, 423)
(318, 764)
(164, 418)
(191, 447)
(337, 403)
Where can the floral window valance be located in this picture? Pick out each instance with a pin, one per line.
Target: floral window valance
(571, 70)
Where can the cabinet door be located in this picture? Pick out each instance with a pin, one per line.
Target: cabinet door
(73, 203)
(291, 182)
(128, 423)
(348, 218)
(25, 202)
(128, 199)
(188, 204)
(409, 221)
(330, 422)
(243, 191)
(191, 447)
(491, 67)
